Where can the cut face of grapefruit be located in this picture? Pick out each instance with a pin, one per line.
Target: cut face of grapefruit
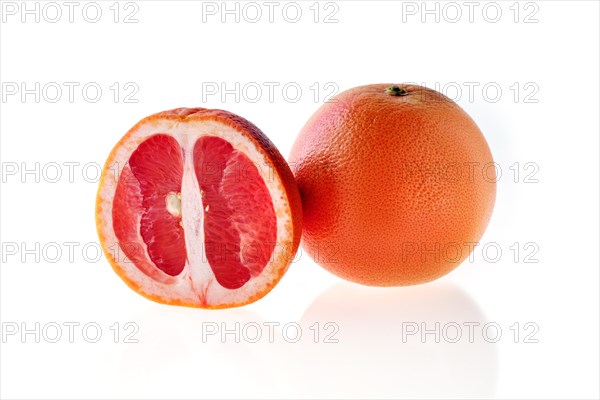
(197, 207)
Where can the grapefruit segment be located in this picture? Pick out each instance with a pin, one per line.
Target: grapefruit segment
(194, 219)
(130, 247)
(240, 227)
(157, 165)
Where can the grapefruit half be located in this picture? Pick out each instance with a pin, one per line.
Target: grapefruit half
(196, 207)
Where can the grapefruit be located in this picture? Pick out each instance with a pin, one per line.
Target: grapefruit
(196, 207)
(397, 184)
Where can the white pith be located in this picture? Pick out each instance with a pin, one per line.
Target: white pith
(173, 204)
(196, 284)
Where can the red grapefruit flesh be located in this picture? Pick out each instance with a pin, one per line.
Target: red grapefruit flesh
(240, 222)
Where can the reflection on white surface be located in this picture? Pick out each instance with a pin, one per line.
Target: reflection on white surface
(173, 360)
(370, 359)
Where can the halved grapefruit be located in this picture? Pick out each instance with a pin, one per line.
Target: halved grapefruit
(196, 207)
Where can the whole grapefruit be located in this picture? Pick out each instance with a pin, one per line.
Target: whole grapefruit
(397, 183)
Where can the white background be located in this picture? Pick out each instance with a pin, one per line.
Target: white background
(171, 54)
